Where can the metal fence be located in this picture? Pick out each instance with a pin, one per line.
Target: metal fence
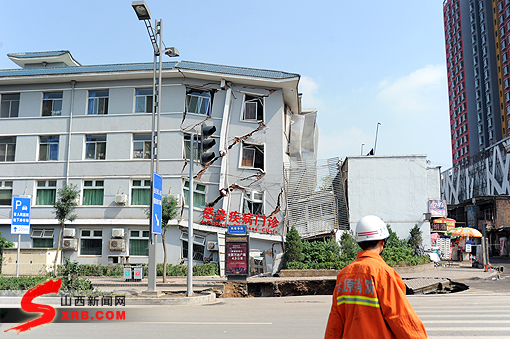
(315, 197)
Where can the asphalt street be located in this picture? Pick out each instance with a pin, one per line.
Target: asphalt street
(469, 314)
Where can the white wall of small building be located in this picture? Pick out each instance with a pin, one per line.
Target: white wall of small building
(395, 188)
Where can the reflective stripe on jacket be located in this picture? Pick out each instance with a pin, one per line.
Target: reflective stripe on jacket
(370, 301)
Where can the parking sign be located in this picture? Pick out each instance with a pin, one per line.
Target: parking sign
(20, 222)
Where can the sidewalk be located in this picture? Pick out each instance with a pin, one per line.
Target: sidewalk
(206, 288)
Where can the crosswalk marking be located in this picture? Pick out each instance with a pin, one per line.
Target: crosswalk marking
(467, 316)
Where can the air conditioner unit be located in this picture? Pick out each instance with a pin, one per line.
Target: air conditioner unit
(70, 245)
(121, 199)
(118, 233)
(69, 232)
(212, 246)
(117, 245)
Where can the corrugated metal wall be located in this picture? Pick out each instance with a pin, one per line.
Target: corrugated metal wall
(315, 197)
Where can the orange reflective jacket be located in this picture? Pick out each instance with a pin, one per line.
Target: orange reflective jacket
(370, 301)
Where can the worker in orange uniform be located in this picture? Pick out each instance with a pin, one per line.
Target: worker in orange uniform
(369, 300)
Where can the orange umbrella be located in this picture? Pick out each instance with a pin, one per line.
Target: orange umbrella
(467, 232)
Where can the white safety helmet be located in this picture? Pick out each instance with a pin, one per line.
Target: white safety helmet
(371, 228)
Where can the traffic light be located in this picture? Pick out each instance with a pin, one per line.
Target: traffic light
(206, 143)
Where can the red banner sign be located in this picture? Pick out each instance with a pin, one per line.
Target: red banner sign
(254, 223)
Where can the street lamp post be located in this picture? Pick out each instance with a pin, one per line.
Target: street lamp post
(143, 13)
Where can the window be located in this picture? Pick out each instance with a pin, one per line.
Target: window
(10, 106)
(91, 242)
(253, 156)
(139, 242)
(253, 202)
(143, 100)
(42, 238)
(142, 146)
(253, 108)
(93, 192)
(198, 246)
(7, 148)
(48, 147)
(46, 192)
(98, 102)
(141, 192)
(198, 195)
(198, 101)
(52, 104)
(187, 146)
(505, 70)
(95, 147)
(5, 193)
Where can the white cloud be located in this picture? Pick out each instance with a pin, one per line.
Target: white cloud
(309, 88)
(422, 92)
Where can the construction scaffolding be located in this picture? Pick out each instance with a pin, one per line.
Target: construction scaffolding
(315, 197)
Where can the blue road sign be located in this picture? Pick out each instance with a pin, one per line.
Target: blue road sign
(236, 229)
(157, 207)
(20, 222)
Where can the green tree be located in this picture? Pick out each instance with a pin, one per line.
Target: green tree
(416, 238)
(169, 210)
(4, 243)
(63, 208)
(293, 246)
(349, 248)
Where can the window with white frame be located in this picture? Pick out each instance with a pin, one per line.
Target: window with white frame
(46, 192)
(141, 192)
(198, 246)
(253, 108)
(52, 104)
(98, 102)
(252, 156)
(91, 242)
(198, 101)
(9, 105)
(7, 149)
(42, 238)
(187, 146)
(198, 194)
(142, 145)
(48, 147)
(95, 147)
(139, 242)
(253, 202)
(5, 192)
(143, 100)
(93, 192)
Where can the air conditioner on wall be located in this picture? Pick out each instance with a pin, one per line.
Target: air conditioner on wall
(70, 245)
(118, 233)
(117, 245)
(69, 232)
(212, 246)
(121, 199)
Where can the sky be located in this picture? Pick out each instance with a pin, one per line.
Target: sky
(361, 62)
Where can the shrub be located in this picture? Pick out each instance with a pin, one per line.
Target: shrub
(21, 283)
(70, 281)
(293, 246)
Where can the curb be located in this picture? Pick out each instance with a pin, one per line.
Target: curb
(56, 301)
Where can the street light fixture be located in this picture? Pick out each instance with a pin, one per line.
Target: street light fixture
(141, 10)
(143, 13)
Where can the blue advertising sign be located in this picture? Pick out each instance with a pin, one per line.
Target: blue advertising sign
(157, 205)
(236, 229)
(20, 223)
